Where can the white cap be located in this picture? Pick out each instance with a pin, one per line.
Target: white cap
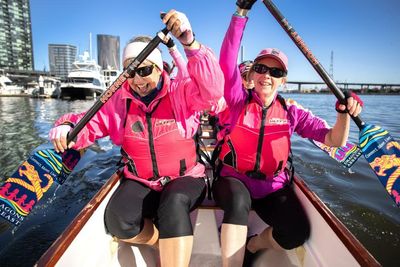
(132, 50)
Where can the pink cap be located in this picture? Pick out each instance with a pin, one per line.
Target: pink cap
(245, 66)
(274, 53)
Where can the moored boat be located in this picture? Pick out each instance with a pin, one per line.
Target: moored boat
(85, 81)
(47, 87)
(86, 243)
(8, 88)
(110, 75)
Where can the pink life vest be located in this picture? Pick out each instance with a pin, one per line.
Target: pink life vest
(259, 143)
(155, 149)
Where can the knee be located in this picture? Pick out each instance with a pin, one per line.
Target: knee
(173, 216)
(122, 226)
(294, 237)
(236, 209)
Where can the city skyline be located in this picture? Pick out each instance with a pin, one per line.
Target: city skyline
(16, 50)
(363, 37)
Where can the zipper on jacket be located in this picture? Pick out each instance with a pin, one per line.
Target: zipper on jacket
(151, 145)
(260, 139)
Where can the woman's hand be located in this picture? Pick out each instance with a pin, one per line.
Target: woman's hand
(179, 26)
(354, 104)
(58, 136)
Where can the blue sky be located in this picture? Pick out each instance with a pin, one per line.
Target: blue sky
(364, 35)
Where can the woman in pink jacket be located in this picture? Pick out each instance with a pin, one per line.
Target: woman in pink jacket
(253, 169)
(153, 119)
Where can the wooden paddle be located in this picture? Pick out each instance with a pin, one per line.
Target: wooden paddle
(33, 178)
(378, 147)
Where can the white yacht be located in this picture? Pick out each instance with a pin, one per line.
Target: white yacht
(85, 80)
(7, 87)
(110, 75)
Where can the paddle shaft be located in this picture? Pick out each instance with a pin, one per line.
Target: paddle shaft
(310, 57)
(106, 95)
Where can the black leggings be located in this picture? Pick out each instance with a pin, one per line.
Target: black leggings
(169, 209)
(281, 210)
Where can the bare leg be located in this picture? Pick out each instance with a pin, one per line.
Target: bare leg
(176, 251)
(263, 241)
(148, 235)
(233, 240)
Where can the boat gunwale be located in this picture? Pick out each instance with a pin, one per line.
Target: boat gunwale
(58, 248)
(359, 252)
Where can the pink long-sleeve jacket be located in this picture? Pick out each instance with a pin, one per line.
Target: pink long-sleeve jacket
(189, 95)
(302, 121)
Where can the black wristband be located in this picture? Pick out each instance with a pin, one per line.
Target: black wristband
(68, 123)
(192, 42)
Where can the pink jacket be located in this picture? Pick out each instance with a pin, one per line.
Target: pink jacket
(189, 94)
(180, 64)
(302, 121)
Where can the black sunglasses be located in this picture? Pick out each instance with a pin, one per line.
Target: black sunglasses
(274, 72)
(143, 71)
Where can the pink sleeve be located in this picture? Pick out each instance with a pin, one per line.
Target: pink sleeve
(107, 121)
(305, 123)
(93, 130)
(233, 90)
(204, 86)
(180, 63)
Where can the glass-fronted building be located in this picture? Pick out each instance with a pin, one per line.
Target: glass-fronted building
(16, 50)
(108, 56)
(61, 57)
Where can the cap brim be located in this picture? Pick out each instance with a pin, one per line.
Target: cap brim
(274, 57)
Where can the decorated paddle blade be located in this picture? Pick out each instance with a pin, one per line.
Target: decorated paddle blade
(20, 193)
(383, 155)
(347, 155)
(33, 178)
(378, 147)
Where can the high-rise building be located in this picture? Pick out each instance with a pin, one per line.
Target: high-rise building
(108, 51)
(16, 50)
(61, 57)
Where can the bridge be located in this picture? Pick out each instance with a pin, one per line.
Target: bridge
(303, 86)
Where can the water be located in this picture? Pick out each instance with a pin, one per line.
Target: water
(355, 196)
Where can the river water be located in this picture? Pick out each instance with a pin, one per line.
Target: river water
(355, 196)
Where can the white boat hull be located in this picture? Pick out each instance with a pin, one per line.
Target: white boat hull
(86, 243)
(80, 91)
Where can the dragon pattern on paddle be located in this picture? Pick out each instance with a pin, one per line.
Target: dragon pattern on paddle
(387, 162)
(33, 178)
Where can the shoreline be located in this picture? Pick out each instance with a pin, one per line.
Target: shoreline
(281, 92)
(327, 93)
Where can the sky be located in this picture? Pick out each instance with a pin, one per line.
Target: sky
(364, 35)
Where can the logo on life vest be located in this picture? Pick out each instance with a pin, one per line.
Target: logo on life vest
(164, 122)
(137, 127)
(278, 121)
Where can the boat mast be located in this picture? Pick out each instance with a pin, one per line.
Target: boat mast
(90, 46)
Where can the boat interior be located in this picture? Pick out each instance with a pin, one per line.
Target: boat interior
(86, 243)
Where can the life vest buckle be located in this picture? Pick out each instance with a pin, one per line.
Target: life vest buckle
(164, 180)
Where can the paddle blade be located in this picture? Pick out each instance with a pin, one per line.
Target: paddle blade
(383, 155)
(347, 155)
(33, 178)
